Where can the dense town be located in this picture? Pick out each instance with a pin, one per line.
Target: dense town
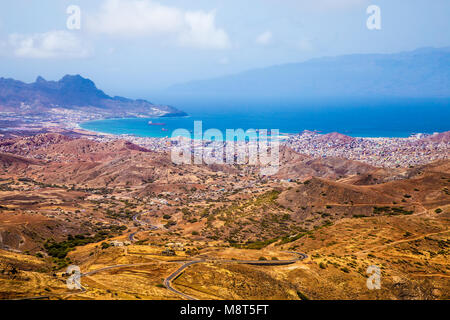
(380, 152)
(415, 150)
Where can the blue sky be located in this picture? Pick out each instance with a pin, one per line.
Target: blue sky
(137, 47)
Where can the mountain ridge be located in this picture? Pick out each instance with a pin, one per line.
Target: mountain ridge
(420, 73)
(73, 92)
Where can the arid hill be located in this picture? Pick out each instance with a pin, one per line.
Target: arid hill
(296, 166)
(69, 200)
(443, 137)
(336, 138)
(7, 160)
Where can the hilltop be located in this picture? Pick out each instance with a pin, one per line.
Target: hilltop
(73, 93)
(420, 73)
(128, 215)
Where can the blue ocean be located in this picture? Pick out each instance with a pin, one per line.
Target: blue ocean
(357, 118)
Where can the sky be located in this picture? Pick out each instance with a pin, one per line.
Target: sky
(135, 48)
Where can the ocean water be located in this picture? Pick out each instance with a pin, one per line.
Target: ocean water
(357, 118)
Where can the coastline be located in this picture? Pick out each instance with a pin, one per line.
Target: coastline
(387, 152)
(284, 134)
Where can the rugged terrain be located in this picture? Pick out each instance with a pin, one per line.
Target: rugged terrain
(129, 218)
(65, 102)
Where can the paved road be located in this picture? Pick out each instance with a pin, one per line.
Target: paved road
(180, 270)
(140, 223)
(174, 275)
(168, 280)
(131, 237)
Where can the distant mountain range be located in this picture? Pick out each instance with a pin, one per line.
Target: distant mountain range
(420, 73)
(76, 93)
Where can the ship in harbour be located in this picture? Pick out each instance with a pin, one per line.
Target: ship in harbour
(151, 123)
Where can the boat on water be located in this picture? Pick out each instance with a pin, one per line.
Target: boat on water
(151, 123)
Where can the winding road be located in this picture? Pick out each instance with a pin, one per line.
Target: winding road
(179, 271)
(173, 276)
(187, 264)
(140, 223)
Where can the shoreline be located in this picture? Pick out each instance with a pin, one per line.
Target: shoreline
(282, 134)
(77, 127)
(382, 152)
(379, 152)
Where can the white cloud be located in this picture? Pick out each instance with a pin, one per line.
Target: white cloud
(135, 18)
(202, 31)
(264, 38)
(146, 18)
(52, 44)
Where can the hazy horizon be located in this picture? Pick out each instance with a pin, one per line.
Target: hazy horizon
(137, 48)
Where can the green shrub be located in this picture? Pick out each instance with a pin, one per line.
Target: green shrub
(345, 269)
